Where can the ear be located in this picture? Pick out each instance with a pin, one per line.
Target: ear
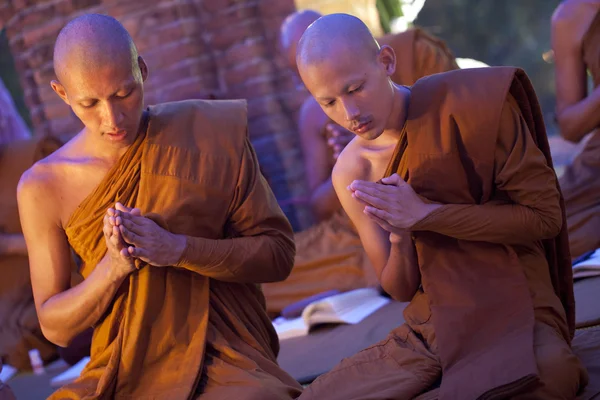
(59, 89)
(387, 58)
(143, 68)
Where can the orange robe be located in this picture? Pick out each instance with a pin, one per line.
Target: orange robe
(495, 314)
(19, 326)
(198, 329)
(580, 182)
(329, 255)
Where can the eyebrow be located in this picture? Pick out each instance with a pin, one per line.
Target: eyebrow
(128, 85)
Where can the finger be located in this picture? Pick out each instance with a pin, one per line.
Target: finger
(137, 217)
(370, 199)
(130, 237)
(120, 207)
(393, 179)
(365, 185)
(115, 237)
(138, 252)
(132, 226)
(125, 253)
(136, 211)
(106, 231)
(375, 216)
(111, 212)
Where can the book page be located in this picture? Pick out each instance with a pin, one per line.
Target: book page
(288, 328)
(588, 268)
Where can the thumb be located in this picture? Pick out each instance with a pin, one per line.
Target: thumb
(121, 207)
(393, 180)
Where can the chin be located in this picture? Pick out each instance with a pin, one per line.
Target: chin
(371, 135)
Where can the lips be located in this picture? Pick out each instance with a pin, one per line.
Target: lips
(363, 127)
(117, 135)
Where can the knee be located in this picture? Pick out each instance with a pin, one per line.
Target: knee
(560, 371)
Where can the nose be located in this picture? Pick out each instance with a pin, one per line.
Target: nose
(351, 110)
(113, 116)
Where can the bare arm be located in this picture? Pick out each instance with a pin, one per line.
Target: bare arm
(395, 263)
(262, 249)
(576, 112)
(317, 161)
(63, 311)
(532, 209)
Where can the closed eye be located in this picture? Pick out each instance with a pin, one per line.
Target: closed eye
(125, 95)
(90, 105)
(358, 89)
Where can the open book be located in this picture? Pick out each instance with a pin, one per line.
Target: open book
(587, 266)
(345, 308)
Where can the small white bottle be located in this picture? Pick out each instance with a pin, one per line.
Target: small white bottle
(36, 362)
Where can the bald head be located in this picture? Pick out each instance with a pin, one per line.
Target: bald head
(294, 26)
(333, 34)
(92, 40)
(291, 31)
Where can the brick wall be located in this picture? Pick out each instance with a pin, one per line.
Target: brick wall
(194, 49)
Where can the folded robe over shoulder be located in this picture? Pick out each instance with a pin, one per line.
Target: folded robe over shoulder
(418, 54)
(198, 328)
(483, 302)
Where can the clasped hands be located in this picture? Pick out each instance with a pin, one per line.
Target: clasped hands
(393, 205)
(130, 236)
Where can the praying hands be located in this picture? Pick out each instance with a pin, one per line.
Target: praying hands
(393, 205)
(142, 238)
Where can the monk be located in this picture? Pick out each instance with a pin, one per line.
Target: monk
(175, 228)
(576, 46)
(19, 326)
(451, 188)
(329, 255)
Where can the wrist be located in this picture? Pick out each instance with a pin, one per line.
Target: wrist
(110, 272)
(180, 245)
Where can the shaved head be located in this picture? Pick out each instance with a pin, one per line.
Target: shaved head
(335, 33)
(100, 76)
(348, 73)
(291, 31)
(91, 40)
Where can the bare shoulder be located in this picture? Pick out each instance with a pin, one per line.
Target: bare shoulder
(38, 185)
(572, 18)
(351, 165)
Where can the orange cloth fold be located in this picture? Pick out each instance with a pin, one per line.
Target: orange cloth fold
(495, 257)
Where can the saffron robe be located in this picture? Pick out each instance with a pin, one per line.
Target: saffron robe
(19, 326)
(495, 313)
(580, 182)
(329, 254)
(198, 329)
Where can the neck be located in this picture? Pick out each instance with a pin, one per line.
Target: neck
(99, 147)
(397, 119)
